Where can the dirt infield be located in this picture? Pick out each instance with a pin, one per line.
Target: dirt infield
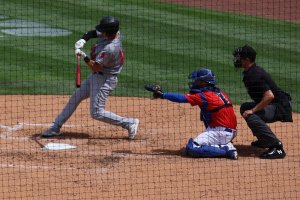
(273, 9)
(105, 165)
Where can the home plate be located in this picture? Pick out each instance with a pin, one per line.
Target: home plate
(58, 146)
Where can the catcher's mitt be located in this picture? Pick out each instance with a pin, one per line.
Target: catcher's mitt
(156, 89)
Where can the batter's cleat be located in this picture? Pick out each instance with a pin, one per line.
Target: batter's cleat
(132, 131)
(233, 155)
(51, 132)
(273, 153)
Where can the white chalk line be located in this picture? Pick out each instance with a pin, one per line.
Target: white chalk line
(10, 129)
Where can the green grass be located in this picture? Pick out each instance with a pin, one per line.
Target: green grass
(163, 44)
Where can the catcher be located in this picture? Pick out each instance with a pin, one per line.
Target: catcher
(216, 113)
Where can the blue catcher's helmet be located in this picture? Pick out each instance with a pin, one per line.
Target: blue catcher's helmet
(202, 75)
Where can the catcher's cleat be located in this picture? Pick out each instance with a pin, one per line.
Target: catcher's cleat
(132, 131)
(189, 149)
(51, 132)
(273, 153)
(233, 155)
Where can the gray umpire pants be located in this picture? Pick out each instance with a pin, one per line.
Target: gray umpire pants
(98, 87)
(257, 123)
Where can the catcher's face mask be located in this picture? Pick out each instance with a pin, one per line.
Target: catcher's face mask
(193, 79)
(191, 84)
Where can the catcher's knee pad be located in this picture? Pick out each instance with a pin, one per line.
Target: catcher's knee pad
(205, 150)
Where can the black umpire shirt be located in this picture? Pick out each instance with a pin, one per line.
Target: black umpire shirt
(257, 81)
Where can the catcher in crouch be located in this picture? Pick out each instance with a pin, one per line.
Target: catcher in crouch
(216, 113)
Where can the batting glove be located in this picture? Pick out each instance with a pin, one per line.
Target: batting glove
(80, 43)
(80, 53)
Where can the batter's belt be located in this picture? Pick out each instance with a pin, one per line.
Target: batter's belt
(105, 73)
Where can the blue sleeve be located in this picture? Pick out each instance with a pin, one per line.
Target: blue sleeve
(174, 97)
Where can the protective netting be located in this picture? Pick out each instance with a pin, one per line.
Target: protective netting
(94, 153)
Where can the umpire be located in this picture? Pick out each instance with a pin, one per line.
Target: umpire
(270, 103)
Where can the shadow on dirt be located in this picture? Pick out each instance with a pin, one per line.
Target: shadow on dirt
(243, 151)
(181, 152)
(156, 152)
(248, 151)
(78, 135)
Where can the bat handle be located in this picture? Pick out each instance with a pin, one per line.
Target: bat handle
(78, 73)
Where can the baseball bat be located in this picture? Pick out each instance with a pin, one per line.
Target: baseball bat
(78, 72)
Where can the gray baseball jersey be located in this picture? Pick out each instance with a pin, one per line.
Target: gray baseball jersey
(110, 54)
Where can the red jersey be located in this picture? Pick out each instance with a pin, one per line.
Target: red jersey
(209, 101)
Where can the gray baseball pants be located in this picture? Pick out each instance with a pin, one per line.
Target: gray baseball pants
(98, 87)
(257, 122)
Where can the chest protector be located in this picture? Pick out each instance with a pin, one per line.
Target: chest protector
(205, 114)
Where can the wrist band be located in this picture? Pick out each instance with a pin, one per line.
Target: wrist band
(86, 59)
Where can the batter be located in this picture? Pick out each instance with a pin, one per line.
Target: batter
(106, 62)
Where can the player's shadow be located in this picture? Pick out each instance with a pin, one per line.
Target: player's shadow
(156, 152)
(243, 151)
(78, 135)
(181, 152)
(64, 135)
(248, 151)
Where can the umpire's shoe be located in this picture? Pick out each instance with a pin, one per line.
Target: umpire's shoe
(275, 152)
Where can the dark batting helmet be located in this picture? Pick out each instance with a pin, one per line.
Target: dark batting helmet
(242, 53)
(203, 75)
(109, 25)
